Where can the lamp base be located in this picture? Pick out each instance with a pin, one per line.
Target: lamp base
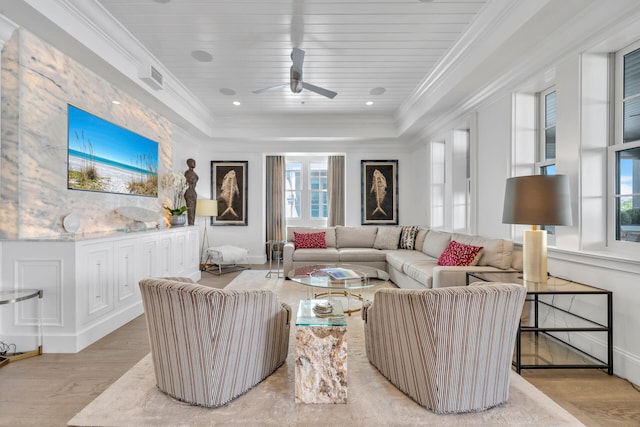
(534, 253)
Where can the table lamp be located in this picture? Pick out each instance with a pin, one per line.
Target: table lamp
(205, 207)
(536, 200)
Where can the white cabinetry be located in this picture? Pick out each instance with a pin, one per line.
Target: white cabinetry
(91, 284)
(96, 273)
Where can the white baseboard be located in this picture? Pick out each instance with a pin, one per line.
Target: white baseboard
(72, 343)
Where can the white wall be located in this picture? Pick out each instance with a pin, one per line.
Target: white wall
(505, 146)
(493, 165)
(412, 172)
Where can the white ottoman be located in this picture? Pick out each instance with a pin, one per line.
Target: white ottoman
(227, 258)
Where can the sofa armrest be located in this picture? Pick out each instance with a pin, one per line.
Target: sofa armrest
(365, 309)
(287, 257)
(286, 312)
(445, 276)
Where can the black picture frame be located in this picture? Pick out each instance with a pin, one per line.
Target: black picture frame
(379, 192)
(229, 185)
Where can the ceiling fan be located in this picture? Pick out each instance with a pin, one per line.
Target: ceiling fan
(296, 84)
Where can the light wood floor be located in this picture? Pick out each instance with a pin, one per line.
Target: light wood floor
(49, 390)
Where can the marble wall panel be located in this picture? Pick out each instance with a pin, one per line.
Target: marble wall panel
(38, 81)
(9, 134)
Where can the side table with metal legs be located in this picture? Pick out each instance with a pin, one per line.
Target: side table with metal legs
(275, 250)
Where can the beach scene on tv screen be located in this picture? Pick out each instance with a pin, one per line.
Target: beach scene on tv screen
(106, 157)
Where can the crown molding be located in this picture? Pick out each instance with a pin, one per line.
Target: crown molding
(7, 27)
(103, 45)
(587, 28)
(496, 22)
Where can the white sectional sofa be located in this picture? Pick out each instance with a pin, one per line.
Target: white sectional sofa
(411, 262)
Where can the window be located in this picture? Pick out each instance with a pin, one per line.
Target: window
(293, 189)
(318, 189)
(546, 164)
(306, 189)
(625, 153)
(437, 184)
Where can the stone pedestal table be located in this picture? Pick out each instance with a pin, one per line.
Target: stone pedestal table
(321, 355)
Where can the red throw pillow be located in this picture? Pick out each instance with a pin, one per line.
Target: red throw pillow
(309, 240)
(459, 254)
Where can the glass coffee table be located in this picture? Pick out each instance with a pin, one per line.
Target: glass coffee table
(339, 280)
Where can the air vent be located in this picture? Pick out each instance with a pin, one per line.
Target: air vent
(152, 76)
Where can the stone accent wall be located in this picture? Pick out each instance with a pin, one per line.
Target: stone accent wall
(38, 82)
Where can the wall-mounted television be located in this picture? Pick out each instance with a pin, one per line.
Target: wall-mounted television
(105, 157)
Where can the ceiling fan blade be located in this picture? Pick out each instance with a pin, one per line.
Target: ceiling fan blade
(297, 57)
(319, 90)
(268, 89)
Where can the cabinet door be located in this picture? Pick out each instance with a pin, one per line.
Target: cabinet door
(179, 266)
(125, 270)
(165, 256)
(149, 263)
(193, 250)
(98, 281)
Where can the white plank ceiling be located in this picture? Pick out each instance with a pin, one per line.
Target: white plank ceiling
(357, 48)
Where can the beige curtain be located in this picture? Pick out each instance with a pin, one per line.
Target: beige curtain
(275, 200)
(335, 190)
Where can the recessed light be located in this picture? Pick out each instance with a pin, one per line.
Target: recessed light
(202, 56)
(369, 103)
(377, 90)
(115, 102)
(236, 103)
(227, 91)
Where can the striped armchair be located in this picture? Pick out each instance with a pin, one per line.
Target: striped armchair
(449, 349)
(209, 345)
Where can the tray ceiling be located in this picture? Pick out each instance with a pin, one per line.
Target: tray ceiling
(365, 50)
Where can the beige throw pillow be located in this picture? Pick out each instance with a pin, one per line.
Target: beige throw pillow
(355, 237)
(435, 242)
(387, 238)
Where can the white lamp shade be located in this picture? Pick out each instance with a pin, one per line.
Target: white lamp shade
(206, 207)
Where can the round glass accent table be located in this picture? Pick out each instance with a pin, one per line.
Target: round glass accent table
(339, 280)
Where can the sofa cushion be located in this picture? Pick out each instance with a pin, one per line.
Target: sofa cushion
(387, 238)
(495, 253)
(317, 256)
(421, 271)
(361, 255)
(330, 233)
(460, 254)
(408, 237)
(419, 243)
(435, 242)
(355, 237)
(310, 240)
(398, 259)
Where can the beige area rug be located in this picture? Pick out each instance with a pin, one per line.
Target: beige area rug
(134, 400)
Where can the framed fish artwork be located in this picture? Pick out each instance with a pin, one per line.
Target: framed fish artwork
(229, 188)
(379, 192)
